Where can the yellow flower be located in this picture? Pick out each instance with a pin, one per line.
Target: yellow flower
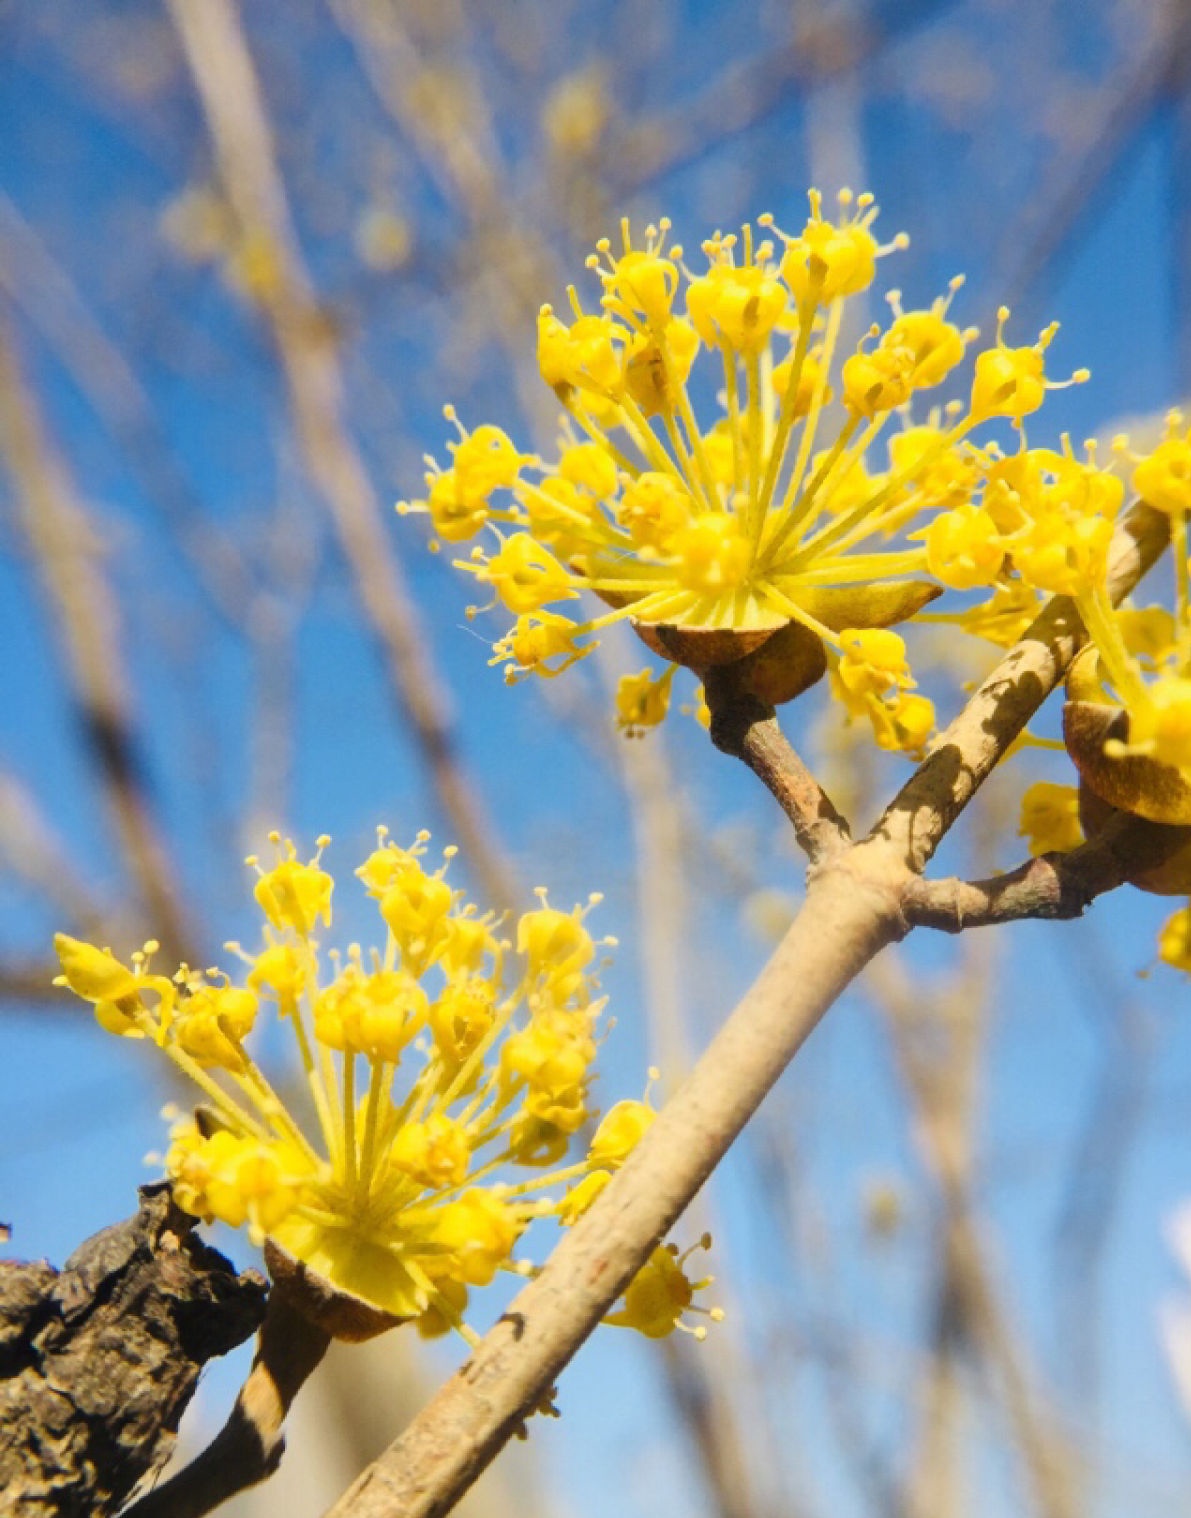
(642, 700)
(661, 1292)
(541, 643)
(828, 262)
(1163, 478)
(735, 308)
(1174, 942)
(294, 895)
(873, 680)
(117, 992)
(619, 1133)
(1050, 818)
(710, 533)
(1140, 669)
(1012, 381)
(964, 548)
(443, 1070)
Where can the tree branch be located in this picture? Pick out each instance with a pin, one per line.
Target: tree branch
(848, 917)
(98, 1361)
(965, 754)
(744, 726)
(249, 1446)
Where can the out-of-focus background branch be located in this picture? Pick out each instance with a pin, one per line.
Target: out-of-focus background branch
(246, 255)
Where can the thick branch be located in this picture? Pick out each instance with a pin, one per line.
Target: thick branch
(848, 917)
(98, 1361)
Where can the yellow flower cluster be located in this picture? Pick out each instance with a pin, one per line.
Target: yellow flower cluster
(1127, 722)
(434, 1071)
(712, 533)
(1145, 657)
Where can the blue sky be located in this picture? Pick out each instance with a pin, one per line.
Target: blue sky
(90, 169)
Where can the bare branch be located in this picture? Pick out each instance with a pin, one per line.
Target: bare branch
(230, 94)
(65, 549)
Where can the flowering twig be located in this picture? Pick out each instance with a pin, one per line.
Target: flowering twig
(965, 754)
(859, 899)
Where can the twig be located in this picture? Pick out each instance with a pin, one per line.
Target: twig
(1050, 886)
(744, 726)
(98, 1362)
(63, 544)
(249, 1446)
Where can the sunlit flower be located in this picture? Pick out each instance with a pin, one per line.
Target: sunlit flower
(436, 1069)
(1174, 942)
(1128, 719)
(873, 680)
(711, 533)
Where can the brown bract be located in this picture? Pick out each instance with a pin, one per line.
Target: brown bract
(338, 1313)
(701, 648)
(1131, 782)
(1170, 877)
(778, 664)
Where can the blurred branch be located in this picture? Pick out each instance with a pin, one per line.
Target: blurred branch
(65, 551)
(937, 1039)
(31, 849)
(37, 285)
(825, 43)
(1100, 1157)
(230, 95)
(33, 981)
(1049, 217)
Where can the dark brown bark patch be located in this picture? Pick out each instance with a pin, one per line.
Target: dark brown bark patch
(99, 1360)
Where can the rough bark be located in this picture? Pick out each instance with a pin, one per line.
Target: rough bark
(99, 1360)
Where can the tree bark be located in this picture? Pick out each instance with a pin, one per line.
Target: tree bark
(99, 1360)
